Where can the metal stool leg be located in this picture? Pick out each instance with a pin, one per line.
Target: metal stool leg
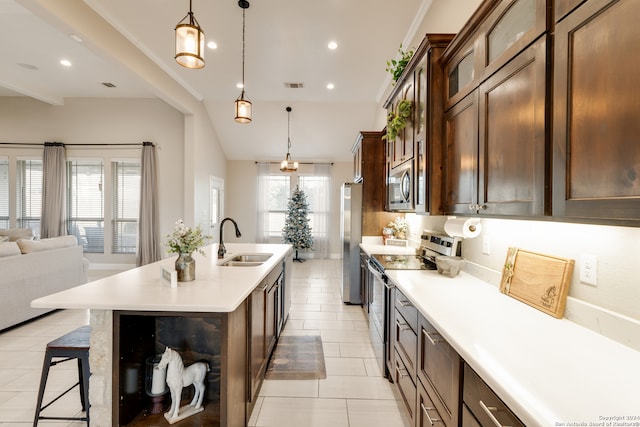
(43, 383)
(83, 373)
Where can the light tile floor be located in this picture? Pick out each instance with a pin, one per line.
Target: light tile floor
(353, 394)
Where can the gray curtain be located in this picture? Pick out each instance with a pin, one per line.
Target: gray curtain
(53, 218)
(148, 244)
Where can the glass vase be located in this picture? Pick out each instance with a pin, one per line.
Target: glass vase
(185, 267)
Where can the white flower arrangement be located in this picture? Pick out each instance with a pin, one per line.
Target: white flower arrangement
(399, 226)
(186, 240)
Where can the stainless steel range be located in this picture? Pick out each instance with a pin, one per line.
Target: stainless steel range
(432, 244)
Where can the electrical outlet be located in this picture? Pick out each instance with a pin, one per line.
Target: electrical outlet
(589, 269)
(486, 245)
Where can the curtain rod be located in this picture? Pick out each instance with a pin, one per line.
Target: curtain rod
(38, 144)
(300, 163)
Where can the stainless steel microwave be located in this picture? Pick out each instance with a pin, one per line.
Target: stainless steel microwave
(400, 188)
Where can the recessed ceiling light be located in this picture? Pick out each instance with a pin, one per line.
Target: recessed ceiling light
(332, 45)
(212, 45)
(330, 86)
(65, 62)
(76, 37)
(239, 85)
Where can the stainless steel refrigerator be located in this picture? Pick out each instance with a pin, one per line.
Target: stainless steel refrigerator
(350, 238)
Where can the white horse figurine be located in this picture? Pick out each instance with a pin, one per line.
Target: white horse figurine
(178, 377)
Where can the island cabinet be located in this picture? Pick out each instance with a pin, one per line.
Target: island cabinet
(236, 346)
(596, 157)
(496, 125)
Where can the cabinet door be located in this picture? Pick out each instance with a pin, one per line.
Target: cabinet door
(270, 319)
(596, 156)
(426, 413)
(257, 344)
(420, 152)
(512, 136)
(461, 156)
(439, 371)
(563, 7)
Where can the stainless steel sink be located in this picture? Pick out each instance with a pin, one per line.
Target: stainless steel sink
(246, 260)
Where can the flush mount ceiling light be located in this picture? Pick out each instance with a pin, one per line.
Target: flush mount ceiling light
(287, 164)
(243, 105)
(189, 42)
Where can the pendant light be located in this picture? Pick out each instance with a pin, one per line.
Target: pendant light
(243, 105)
(287, 165)
(189, 42)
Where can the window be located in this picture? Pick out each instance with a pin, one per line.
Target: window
(317, 188)
(85, 198)
(126, 205)
(29, 194)
(278, 191)
(4, 192)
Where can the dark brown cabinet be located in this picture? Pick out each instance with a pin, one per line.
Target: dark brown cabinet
(439, 369)
(461, 156)
(428, 124)
(369, 169)
(481, 406)
(596, 156)
(420, 142)
(495, 156)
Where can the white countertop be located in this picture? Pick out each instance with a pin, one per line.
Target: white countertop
(548, 371)
(216, 288)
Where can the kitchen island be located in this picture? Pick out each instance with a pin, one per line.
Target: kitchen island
(135, 314)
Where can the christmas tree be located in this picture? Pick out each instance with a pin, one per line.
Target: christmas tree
(296, 229)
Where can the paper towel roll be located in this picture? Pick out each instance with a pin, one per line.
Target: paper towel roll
(463, 227)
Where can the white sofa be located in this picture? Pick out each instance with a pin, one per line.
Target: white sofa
(31, 269)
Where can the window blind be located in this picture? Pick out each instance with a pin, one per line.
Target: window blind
(4, 192)
(29, 194)
(126, 206)
(85, 198)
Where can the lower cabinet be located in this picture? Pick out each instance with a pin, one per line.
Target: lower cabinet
(437, 387)
(265, 321)
(482, 406)
(427, 414)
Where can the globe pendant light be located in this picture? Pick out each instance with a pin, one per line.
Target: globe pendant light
(287, 164)
(243, 105)
(189, 42)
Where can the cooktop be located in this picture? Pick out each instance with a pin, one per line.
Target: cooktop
(403, 262)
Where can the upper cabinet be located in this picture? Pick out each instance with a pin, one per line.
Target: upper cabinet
(496, 125)
(596, 155)
(419, 144)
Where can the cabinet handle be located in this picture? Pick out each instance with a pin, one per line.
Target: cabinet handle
(489, 410)
(404, 303)
(430, 338)
(432, 421)
(399, 371)
(473, 207)
(402, 326)
(482, 207)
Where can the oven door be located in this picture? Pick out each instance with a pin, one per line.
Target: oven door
(377, 293)
(400, 188)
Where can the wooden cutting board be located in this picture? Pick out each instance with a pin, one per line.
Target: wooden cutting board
(542, 281)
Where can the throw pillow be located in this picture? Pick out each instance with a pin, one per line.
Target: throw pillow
(17, 233)
(30, 246)
(9, 249)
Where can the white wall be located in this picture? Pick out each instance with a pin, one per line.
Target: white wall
(242, 200)
(183, 181)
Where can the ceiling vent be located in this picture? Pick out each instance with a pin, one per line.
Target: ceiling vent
(108, 84)
(294, 85)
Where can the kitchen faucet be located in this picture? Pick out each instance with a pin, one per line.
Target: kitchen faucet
(221, 249)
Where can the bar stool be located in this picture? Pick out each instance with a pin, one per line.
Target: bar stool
(74, 345)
